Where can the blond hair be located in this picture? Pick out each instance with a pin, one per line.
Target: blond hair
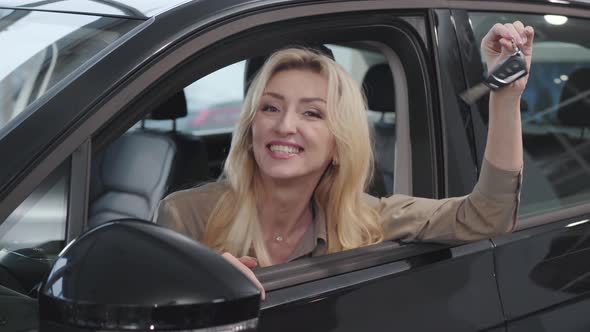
(233, 225)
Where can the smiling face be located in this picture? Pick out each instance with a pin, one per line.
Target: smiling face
(290, 134)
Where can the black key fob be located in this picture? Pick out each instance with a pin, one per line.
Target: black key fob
(510, 70)
(507, 72)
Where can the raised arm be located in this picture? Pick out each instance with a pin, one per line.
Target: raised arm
(492, 207)
(504, 142)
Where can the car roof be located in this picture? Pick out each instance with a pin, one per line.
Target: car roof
(143, 9)
(122, 8)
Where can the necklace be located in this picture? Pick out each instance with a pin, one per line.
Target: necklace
(279, 238)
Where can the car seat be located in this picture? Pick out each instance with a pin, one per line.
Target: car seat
(379, 90)
(134, 173)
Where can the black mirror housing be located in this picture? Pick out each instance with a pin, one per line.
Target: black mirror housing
(133, 275)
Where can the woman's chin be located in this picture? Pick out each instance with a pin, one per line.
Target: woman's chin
(283, 175)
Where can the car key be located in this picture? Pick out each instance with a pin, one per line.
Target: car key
(510, 70)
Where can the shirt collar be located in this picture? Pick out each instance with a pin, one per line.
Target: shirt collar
(314, 240)
(319, 221)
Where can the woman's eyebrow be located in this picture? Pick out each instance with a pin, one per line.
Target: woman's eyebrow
(304, 100)
(310, 100)
(274, 94)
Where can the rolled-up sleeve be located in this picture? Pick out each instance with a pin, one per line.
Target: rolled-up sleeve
(491, 209)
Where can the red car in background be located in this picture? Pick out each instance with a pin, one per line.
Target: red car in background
(219, 116)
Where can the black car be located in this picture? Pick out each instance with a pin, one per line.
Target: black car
(94, 99)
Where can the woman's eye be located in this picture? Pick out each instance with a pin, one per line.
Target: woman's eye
(314, 114)
(269, 108)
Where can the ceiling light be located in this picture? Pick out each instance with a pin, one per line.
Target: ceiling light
(555, 19)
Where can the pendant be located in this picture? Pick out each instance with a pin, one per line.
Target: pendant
(279, 238)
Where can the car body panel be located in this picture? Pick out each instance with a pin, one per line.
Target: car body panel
(129, 9)
(543, 276)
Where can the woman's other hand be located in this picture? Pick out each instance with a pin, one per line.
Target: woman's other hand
(246, 264)
(497, 46)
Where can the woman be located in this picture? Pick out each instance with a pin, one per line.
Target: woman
(300, 159)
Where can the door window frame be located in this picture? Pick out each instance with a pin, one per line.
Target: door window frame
(392, 35)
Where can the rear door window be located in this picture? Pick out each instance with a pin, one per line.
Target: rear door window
(555, 112)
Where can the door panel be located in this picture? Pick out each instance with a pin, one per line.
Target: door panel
(562, 319)
(452, 288)
(543, 276)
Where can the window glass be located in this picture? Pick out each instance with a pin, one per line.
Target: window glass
(44, 48)
(214, 102)
(34, 233)
(555, 111)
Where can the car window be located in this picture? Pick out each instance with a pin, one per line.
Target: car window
(555, 112)
(34, 233)
(214, 102)
(42, 48)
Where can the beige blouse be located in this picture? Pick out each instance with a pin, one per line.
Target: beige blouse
(489, 210)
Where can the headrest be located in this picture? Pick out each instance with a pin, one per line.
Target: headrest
(378, 85)
(577, 113)
(254, 64)
(173, 108)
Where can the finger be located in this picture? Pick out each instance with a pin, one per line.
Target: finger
(244, 269)
(515, 35)
(507, 44)
(520, 30)
(250, 262)
(530, 34)
(498, 39)
(252, 277)
(497, 32)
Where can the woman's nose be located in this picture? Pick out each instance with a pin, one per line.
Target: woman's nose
(287, 123)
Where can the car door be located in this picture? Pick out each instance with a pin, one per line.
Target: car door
(387, 286)
(543, 267)
(394, 283)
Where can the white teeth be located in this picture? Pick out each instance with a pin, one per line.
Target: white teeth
(284, 149)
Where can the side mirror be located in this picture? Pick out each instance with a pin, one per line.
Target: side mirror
(133, 275)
